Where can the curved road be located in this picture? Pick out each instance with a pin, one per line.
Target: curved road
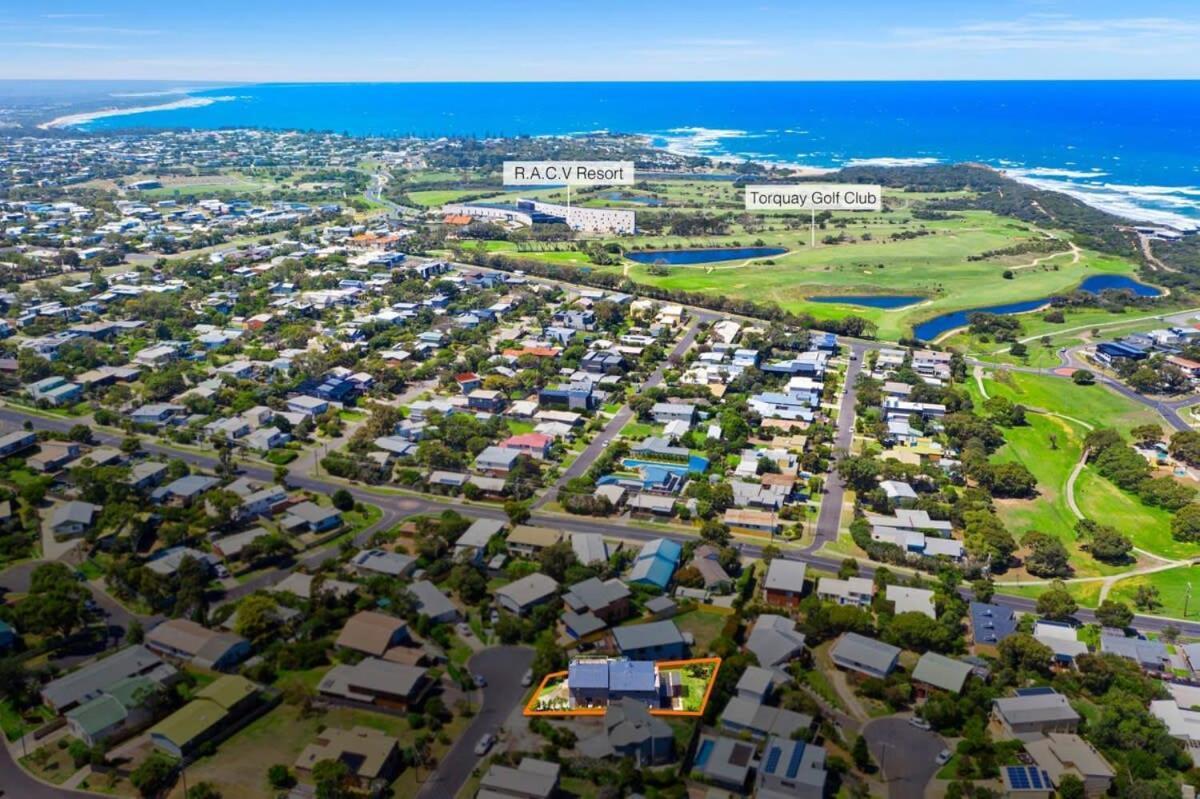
(906, 755)
(502, 667)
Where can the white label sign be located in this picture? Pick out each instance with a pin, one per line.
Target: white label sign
(570, 173)
(814, 197)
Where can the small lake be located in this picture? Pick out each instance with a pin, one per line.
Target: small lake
(928, 331)
(622, 197)
(704, 256)
(885, 301)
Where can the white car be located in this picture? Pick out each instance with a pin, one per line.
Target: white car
(485, 743)
(943, 757)
(527, 678)
(920, 723)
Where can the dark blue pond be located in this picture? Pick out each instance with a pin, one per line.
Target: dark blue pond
(885, 301)
(1098, 283)
(927, 331)
(688, 257)
(622, 197)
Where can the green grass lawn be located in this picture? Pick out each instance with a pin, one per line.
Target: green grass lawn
(1150, 528)
(702, 623)
(50, 762)
(938, 266)
(1095, 405)
(1172, 588)
(1086, 594)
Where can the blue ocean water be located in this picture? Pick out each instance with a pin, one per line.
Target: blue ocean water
(1127, 146)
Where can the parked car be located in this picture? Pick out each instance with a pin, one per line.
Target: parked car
(527, 678)
(920, 723)
(485, 743)
(480, 680)
(943, 757)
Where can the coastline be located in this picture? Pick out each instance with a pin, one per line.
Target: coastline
(71, 120)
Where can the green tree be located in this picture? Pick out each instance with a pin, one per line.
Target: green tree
(342, 500)
(1047, 556)
(332, 779)
(861, 754)
(203, 790)
(1023, 652)
(153, 776)
(257, 618)
(1114, 614)
(1185, 446)
(1056, 602)
(1071, 787)
(1082, 377)
(56, 602)
(279, 777)
(1185, 525)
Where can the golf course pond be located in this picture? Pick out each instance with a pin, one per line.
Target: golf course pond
(702, 256)
(928, 331)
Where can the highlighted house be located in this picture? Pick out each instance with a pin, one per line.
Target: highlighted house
(591, 685)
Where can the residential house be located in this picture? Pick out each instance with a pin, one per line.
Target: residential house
(214, 710)
(791, 768)
(372, 562)
(991, 624)
(656, 563)
(1060, 753)
(1033, 713)
(784, 583)
(532, 779)
(73, 518)
(938, 671)
(864, 655)
(372, 681)
(656, 640)
(851, 591)
(124, 706)
(775, 641)
(496, 460)
(911, 600)
(372, 633)
(523, 595)
(433, 603)
(525, 541)
(630, 731)
(725, 762)
(186, 641)
(372, 757)
(92, 680)
(311, 517)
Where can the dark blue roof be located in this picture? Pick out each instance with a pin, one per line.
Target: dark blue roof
(631, 675)
(587, 674)
(991, 624)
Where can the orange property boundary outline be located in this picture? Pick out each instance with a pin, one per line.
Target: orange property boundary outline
(530, 710)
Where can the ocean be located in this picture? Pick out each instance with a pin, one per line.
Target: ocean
(1129, 147)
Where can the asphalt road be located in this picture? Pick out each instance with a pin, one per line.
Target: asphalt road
(502, 667)
(15, 783)
(904, 754)
(829, 520)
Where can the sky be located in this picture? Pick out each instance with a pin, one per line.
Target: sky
(617, 40)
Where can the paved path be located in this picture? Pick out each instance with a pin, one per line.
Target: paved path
(829, 519)
(906, 755)
(502, 667)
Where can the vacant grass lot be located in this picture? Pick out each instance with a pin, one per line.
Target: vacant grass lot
(1173, 587)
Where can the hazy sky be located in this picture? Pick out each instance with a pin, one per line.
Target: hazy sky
(383, 40)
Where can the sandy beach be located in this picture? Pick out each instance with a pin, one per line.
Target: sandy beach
(71, 120)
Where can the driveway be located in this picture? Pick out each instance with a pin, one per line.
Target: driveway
(905, 755)
(502, 667)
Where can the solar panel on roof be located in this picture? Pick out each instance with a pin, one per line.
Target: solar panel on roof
(1037, 690)
(773, 759)
(1035, 777)
(797, 755)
